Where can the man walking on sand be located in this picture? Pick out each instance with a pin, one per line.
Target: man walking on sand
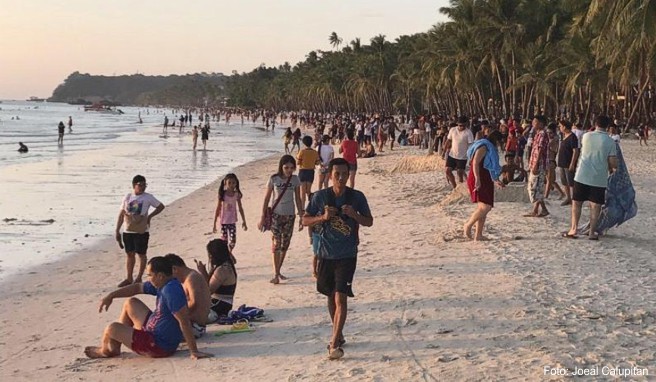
(598, 159)
(457, 143)
(335, 215)
(149, 333)
(537, 168)
(136, 221)
(197, 291)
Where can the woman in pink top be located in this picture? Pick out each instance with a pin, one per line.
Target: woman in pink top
(350, 151)
(229, 199)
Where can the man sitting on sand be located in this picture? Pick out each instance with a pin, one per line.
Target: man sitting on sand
(197, 291)
(151, 334)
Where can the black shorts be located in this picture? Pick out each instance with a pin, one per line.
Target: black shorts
(336, 276)
(306, 176)
(451, 162)
(136, 242)
(353, 167)
(583, 192)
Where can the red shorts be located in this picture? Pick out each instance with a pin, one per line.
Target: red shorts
(485, 194)
(143, 343)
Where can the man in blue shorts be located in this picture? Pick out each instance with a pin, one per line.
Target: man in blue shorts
(152, 334)
(335, 215)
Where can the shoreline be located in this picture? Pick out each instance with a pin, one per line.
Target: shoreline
(429, 304)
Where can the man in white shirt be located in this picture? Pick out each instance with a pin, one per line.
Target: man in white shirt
(457, 143)
(136, 221)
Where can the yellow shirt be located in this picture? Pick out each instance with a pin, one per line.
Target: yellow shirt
(307, 159)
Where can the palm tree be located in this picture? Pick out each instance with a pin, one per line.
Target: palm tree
(335, 40)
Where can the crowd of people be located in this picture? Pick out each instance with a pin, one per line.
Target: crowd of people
(188, 300)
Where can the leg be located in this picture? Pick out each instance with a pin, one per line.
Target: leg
(450, 178)
(133, 316)
(142, 267)
(480, 223)
(595, 210)
(475, 216)
(338, 318)
(129, 267)
(352, 178)
(461, 176)
(576, 216)
(314, 268)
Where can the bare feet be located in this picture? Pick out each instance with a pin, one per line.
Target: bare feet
(467, 229)
(275, 280)
(282, 277)
(543, 214)
(481, 238)
(94, 352)
(566, 202)
(125, 282)
(137, 280)
(335, 353)
(531, 215)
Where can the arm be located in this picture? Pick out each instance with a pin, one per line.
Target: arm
(216, 280)
(202, 269)
(182, 316)
(267, 199)
(243, 217)
(127, 291)
(119, 223)
(217, 213)
(575, 158)
(157, 211)
(476, 161)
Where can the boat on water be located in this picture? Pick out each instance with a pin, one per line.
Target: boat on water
(36, 99)
(103, 109)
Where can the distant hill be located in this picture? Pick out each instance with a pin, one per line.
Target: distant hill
(138, 89)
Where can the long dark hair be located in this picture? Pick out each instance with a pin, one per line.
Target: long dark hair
(283, 161)
(219, 253)
(223, 183)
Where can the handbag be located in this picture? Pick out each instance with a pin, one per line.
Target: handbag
(268, 213)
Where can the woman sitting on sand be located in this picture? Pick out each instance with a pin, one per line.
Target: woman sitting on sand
(222, 278)
(484, 171)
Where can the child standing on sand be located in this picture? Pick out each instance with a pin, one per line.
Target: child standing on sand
(226, 208)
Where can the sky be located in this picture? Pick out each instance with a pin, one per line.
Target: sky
(43, 41)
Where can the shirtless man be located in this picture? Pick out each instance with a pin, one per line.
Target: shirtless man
(197, 291)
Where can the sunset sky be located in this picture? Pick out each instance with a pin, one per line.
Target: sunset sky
(43, 41)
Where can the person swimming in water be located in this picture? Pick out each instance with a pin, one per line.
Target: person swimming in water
(22, 148)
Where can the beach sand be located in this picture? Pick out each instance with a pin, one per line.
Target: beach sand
(429, 305)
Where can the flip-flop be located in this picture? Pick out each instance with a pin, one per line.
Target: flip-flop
(568, 236)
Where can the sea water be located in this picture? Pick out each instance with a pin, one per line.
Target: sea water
(58, 199)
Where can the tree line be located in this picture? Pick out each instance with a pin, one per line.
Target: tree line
(495, 58)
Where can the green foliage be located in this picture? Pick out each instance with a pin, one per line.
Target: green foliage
(190, 89)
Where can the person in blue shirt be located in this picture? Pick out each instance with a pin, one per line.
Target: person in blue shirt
(149, 333)
(335, 215)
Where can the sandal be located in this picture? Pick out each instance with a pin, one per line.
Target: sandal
(566, 235)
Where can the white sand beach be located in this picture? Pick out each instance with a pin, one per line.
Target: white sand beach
(429, 305)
